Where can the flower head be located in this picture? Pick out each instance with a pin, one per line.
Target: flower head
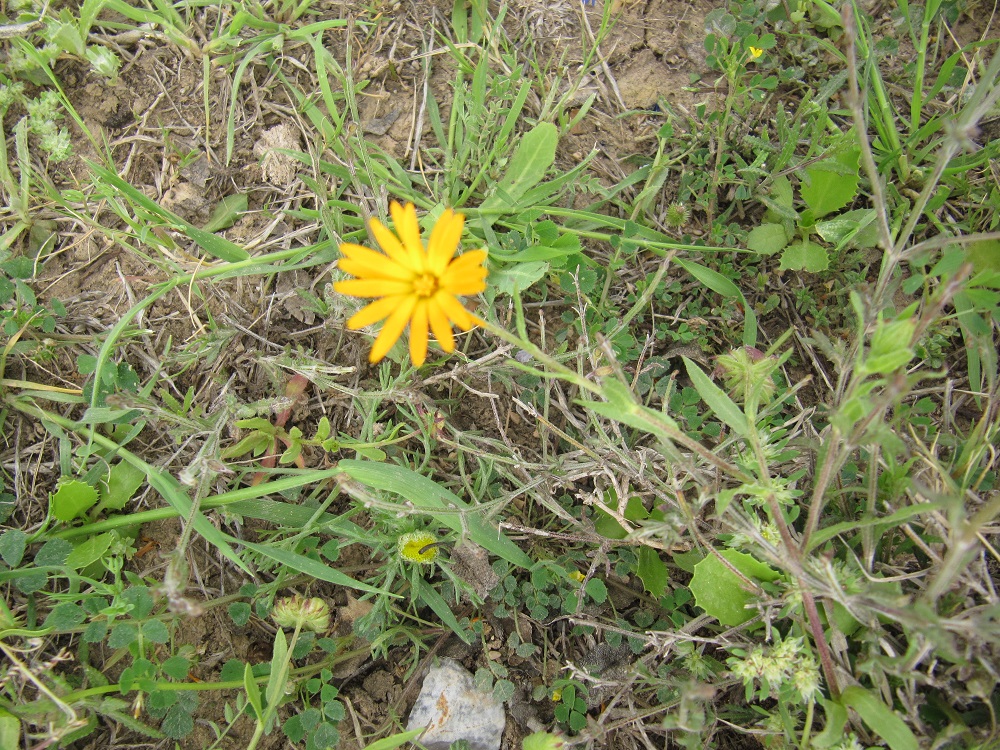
(297, 611)
(755, 52)
(418, 547)
(413, 284)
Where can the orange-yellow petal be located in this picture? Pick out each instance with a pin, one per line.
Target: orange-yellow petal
(372, 287)
(465, 262)
(392, 329)
(466, 286)
(418, 333)
(378, 310)
(440, 325)
(454, 310)
(391, 244)
(465, 274)
(405, 219)
(360, 261)
(445, 236)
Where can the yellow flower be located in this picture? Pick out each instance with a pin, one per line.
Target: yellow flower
(418, 547)
(755, 52)
(412, 284)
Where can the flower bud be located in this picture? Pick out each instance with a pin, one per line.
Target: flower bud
(297, 611)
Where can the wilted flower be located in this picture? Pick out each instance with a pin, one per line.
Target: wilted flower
(418, 547)
(297, 611)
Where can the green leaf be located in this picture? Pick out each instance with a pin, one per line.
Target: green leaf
(608, 527)
(652, 571)
(253, 691)
(176, 495)
(432, 498)
(719, 591)
(880, 523)
(882, 720)
(853, 229)
(518, 277)
(890, 347)
(123, 634)
(279, 675)
(687, 560)
(72, 499)
(781, 192)
(64, 616)
(543, 741)
(429, 596)
(232, 670)
(227, 212)
(293, 728)
(544, 252)
(832, 184)
(176, 667)
(141, 600)
(532, 159)
(313, 568)
(712, 279)
(621, 407)
(12, 545)
(833, 732)
(215, 245)
(122, 482)
(503, 691)
(239, 612)
(721, 405)
(984, 255)
(89, 551)
(178, 723)
(140, 676)
(780, 202)
(396, 740)
(722, 285)
(95, 631)
(53, 552)
(767, 239)
(10, 730)
(30, 581)
(597, 590)
(805, 256)
(155, 632)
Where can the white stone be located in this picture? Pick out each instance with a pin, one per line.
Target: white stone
(451, 708)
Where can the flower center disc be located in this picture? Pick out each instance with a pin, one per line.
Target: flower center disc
(425, 285)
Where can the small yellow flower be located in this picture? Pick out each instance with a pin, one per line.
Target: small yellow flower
(577, 576)
(418, 547)
(755, 52)
(412, 284)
